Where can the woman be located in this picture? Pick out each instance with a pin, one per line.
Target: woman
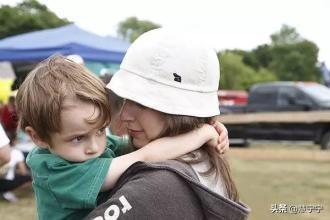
(170, 85)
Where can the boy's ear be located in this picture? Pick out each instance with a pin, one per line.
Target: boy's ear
(35, 137)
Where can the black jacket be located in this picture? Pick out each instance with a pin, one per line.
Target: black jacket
(168, 190)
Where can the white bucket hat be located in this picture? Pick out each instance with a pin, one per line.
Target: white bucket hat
(171, 73)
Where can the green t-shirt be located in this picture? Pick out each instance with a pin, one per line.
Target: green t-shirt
(69, 190)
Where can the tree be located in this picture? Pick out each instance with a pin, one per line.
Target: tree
(263, 55)
(295, 62)
(235, 74)
(286, 35)
(289, 56)
(132, 28)
(27, 16)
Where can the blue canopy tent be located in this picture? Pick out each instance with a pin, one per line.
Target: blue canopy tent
(70, 39)
(24, 51)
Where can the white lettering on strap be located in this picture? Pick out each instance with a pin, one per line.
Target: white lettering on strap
(116, 211)
(125, 203)
(113, 211)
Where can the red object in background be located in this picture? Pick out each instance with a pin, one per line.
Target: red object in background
(9, 118)
(232, 97)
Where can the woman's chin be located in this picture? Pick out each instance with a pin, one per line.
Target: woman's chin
(138, 143)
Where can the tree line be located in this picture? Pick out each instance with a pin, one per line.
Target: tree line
(288, 57)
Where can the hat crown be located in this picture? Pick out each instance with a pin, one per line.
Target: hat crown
(173, 59)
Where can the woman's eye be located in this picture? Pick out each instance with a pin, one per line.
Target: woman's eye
(139, 105)
(135, 104)
(77, 139)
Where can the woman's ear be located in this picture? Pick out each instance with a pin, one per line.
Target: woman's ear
(35, 137)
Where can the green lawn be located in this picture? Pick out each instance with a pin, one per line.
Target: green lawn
(23, 209)
(279, 175)
(266, 174)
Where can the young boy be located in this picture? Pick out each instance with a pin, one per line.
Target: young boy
(65, 110)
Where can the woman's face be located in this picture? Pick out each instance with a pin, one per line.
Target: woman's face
(143, 124)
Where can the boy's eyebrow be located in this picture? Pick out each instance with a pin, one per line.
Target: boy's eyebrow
(76, 134)
(73, 135)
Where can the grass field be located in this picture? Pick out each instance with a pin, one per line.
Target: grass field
(295, 175)
(266, 173)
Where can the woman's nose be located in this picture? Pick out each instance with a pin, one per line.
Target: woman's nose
(126, 113)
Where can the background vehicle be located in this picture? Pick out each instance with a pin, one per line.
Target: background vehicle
(282, 111)
(232, 97)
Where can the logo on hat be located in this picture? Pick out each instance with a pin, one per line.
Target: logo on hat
(177, 77)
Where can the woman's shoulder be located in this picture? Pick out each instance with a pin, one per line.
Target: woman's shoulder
(152, 191)
(158, 174)
(158, 190)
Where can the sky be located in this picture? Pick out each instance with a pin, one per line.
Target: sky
(227, 24)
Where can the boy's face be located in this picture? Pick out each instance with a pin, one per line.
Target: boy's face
(78, 140)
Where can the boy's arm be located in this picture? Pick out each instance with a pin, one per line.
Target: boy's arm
(160, 150)
(120, 145)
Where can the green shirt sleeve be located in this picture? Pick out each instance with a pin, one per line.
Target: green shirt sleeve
(119, 145)
(77, 185)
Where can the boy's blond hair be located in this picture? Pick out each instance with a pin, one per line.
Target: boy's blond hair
(40, 98)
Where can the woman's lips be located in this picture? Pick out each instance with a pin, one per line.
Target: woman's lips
(133, 133)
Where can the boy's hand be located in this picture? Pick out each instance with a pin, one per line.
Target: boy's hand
(223, 140)
(218, 137)
(212, 135)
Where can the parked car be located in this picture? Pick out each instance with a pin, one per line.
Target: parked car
(282, 111)
(232, 97)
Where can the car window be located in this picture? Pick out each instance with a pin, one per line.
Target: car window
(289, 96)
(264, 96)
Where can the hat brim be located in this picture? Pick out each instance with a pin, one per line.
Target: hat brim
(164, 98)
